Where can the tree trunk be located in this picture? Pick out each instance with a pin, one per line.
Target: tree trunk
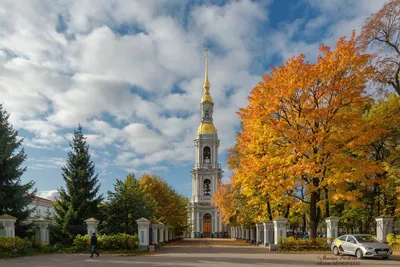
(269, 210)
(327, 214)
(304, 223)
(313, 215)
(287, 211)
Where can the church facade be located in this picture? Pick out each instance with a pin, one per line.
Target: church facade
(206, 173)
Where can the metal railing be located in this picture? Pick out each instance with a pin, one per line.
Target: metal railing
(207, 165)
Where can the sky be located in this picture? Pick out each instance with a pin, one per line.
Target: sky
(131, 73)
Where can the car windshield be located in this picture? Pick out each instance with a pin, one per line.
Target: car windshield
(366, 239)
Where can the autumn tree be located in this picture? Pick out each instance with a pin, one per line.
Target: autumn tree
(382, 30)
(303, 128)
(385, 115)
(170, 208)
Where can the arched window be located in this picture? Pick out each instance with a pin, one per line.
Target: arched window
(207, 155)
(207, 113)
(207, 187)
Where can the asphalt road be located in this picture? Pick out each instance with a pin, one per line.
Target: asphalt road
(202, 254)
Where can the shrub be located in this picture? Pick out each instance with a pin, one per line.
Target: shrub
(394, 241)
(108, 242)
(291, 244)
(11, 247)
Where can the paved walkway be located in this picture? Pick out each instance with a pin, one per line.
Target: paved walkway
(201, 253)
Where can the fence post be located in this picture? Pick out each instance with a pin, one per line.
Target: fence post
(332, 225)
(384, 226)
(91, 224)
(8, 223)
(279, 229)
(143, 233)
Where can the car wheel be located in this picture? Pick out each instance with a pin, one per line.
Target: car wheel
(336, 251)
(359, 254)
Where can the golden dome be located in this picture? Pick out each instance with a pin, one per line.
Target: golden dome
(207, 128)
(206, 97)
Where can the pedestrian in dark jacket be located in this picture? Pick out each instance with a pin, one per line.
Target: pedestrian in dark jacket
(93, 244)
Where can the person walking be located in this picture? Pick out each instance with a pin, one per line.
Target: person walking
(93, 244)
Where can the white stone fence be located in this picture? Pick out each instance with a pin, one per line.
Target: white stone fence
(153, 234)
(268, 233)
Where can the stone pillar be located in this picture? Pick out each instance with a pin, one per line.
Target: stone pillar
(268, 232)
(332, 226)
(154, 227)
(197, 235)
(43, 231)
(166, 235)
(252, 237)
(143, 233)
(279, 229)
(161, 229)
(91, 224)
(259, 233)
(384, 226)
(7, 223)
(246, 234)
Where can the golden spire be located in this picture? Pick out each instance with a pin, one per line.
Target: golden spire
(206, 84)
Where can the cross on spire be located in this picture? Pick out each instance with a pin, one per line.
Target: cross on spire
(206, 84)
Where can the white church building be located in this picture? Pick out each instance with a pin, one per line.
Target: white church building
(207, 173)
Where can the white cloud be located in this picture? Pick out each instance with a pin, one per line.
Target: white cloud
(49, 194)
(119, 86)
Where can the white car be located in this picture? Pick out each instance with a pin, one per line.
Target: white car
(361, 246)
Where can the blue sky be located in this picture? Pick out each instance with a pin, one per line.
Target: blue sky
(131, 73)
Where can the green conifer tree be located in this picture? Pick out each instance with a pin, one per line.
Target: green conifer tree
(79, 199)
(15, 196)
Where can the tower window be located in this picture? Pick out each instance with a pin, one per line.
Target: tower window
(207, 155)
(207, 114)
(207, 187)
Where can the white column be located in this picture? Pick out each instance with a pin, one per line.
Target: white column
(252, 238)
(161, 229)
(193, 222)
(268, 232)
(8, 224)
(166, 238)
(91, 224)
(143, 233)
(242, 233)
(43, 229)
(259, 233)
(197, 222)
(384, 226)
(332, 225)
(154, 227)
(279, 229)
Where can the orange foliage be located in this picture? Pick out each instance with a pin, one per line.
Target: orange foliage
(304, 128)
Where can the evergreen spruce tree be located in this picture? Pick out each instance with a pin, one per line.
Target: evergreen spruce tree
(78, 200)
(14, 195)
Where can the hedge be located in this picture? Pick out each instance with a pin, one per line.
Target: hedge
(108, 242)
(291, 244)
(394, 241)
(13, 247)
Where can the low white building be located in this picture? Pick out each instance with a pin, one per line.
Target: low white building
(42, 207)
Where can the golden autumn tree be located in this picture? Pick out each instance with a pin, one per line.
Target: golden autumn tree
(170, 207)
(385, 115)
(382, 30)
(303, 129)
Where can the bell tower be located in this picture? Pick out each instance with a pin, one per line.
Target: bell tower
(206, 173)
